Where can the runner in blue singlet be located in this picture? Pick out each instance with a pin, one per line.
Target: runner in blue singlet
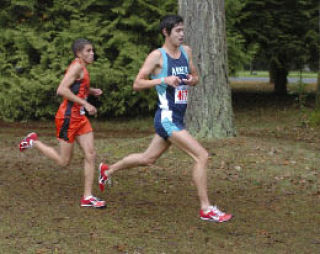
(172, 71)
(172, 102)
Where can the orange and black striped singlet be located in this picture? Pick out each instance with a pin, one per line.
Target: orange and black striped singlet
(80, 88)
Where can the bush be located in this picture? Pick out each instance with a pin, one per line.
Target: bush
(35, 42)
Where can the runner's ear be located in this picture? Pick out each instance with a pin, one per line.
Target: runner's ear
(165, 32)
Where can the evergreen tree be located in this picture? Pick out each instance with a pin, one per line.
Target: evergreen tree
(286, 33)
(35, 51)
(238, 54)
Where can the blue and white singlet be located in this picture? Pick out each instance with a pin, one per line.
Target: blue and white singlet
(172, 102)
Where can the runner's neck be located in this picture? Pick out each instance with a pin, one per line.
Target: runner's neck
(172, 51)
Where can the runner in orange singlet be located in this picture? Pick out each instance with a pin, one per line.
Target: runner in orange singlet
(70, 118)
(71, 122)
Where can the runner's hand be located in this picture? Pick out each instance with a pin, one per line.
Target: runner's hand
(90, 109)
(95, 91)
(173, 81)
(189, 80)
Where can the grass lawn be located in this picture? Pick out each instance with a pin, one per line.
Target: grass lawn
(292, 74)
(267, 176)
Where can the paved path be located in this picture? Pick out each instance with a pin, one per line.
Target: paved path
(261, 79)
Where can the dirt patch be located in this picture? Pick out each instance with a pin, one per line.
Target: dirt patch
(268, 177)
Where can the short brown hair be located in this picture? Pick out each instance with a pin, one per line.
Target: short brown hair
(79, 44)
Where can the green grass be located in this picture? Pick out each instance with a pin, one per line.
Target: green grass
(267, 176)
(292, 74)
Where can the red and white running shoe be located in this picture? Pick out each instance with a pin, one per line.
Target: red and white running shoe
(103, 179)
(215, 215)
(27, 142)
(93, 202)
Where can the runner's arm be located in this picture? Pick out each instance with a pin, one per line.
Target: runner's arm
(142, 80)
(64, 90)
(95, 91)
(193, 77)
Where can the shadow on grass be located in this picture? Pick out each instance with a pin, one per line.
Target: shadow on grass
(250, 100)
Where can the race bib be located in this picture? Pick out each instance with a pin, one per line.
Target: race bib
(82, 111)
(181, 95)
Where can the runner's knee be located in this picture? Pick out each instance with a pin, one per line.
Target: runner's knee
(64, 162)
(147, 160)
(90, 155)
(202, 157)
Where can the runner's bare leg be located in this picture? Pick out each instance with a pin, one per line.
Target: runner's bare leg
(184, 141)
(62, 157)
(86, 142)
(156, 148)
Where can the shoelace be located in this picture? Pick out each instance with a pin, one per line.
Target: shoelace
(94, 199)
(217, 211)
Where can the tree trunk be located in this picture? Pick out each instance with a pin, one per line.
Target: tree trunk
(209, 113)
(278, 76)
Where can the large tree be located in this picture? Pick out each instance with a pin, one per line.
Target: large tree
(286, 31)
(209, 111)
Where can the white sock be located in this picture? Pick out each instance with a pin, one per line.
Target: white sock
(88, 197)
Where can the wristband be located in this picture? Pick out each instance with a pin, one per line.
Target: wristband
(162, 81)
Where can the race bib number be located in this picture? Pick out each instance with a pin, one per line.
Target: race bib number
(181, 95)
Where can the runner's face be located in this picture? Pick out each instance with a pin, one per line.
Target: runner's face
(177, 34)
(87, 54)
